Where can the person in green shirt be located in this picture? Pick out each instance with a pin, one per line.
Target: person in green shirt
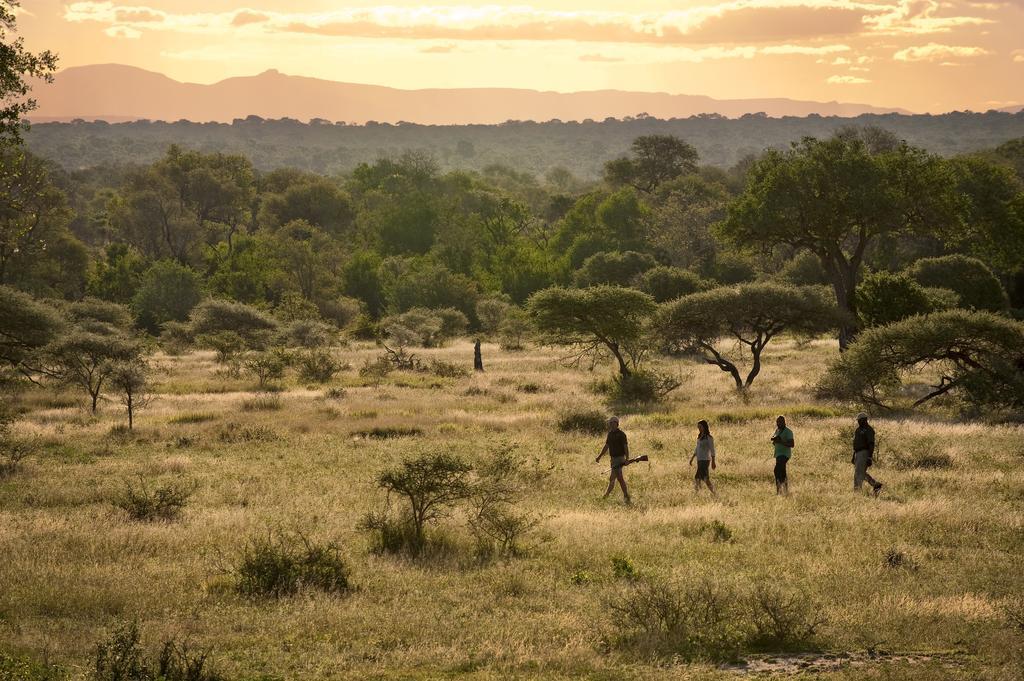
(782, 439)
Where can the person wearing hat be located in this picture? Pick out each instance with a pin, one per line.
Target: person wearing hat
(863, 455)
(616, 446)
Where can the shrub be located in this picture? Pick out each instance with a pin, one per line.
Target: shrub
(13, 450)
(639, 387)
(970, 278)
(193, 417)
(666, 283)
(317, 366)
(175, 337)
(307, 333)
(896, 559)
(379, 433)
(590, 421)
(121, 658)
(278, 564)
(335, 393)
(343, 311)
(804, 269)
(491, 312)
(702, 622)
(501, 483)
(884, 297)
(720, 532)
(166, 502)
(784, 620)
(623, 568)
(376, 370)
(447, 369)
(266, 366)
(430, 484)
(514, 329)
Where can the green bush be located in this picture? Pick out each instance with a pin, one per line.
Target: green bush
(970, 278)
(666, 283)
(613, 267)
(316, 366)
(884, 297)
(277, 564)
(639, 387)
(121, 658)
(165, 502)
(168, 293)
(14, 668)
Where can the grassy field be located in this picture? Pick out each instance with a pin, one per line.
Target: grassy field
(921, 583)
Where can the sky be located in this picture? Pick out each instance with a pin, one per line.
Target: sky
(922, 55)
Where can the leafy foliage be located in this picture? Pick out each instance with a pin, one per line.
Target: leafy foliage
(970, 278)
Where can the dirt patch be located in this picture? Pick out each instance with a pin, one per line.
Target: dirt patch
(815, 663)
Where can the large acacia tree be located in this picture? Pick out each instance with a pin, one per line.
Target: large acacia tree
(594, 319)
(748, 316)
(835, 197)
(977, 356)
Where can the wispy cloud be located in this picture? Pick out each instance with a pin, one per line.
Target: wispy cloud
(600, 58)
(735, 22)
(846, 80)
(937, 52)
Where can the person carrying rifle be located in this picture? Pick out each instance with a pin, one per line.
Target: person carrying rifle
(705, 455)
(863, 455)
(783, 441)
(617, 447)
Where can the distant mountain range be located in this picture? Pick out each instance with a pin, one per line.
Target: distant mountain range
(115, 92)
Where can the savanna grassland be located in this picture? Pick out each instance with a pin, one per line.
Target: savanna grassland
(923, 582)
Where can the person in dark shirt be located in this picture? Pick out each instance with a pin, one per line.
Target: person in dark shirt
(617, 447)
(863, 455)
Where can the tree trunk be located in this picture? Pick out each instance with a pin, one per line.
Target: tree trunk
(623, 366)
(844, 284)
(478, 359)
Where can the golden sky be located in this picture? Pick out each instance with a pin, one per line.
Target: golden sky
(923, 55)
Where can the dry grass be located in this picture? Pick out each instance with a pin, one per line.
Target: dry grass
(73, 566)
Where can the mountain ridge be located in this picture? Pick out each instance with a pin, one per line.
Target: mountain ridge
(118, 92)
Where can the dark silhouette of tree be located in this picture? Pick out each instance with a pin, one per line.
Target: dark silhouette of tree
(656, 159)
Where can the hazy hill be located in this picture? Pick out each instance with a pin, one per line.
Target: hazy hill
(116, 92)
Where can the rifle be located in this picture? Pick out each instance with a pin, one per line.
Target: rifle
(635, 459)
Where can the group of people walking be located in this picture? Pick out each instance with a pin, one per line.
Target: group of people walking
(616, 445)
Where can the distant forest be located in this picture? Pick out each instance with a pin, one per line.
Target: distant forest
(582, 148)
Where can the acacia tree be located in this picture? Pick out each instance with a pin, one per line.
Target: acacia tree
(976, 355)
(87, 359)
(26, 326)
(751, 315)
(835, 197)
(131, 381)
(590, 320)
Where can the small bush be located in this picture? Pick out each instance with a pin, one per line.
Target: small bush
(166, 502)
(640, 387)
(266, 366)
(895, 559)
(495, 521)
(376, 370)
(263, 402)
(121, 658)
(782, 619)
(719, 531)
(391, 535)
(702, 622)
(335, 393)
(623, 568)
(447, 369)
(926, 459)
(530, 388)
(580, 577)
(277, 564)
(591, 422)
(317, 366)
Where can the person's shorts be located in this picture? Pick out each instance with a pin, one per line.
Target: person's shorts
(618, 462)
(703, 470)
(780, 468)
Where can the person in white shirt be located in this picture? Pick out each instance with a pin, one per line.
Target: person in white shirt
(704, 453)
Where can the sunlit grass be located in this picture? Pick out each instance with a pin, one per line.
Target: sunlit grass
(73, 564)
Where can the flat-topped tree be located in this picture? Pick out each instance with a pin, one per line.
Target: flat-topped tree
(750, 315)
(590, 320)
(834, 197)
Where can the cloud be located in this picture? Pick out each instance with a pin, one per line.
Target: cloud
(600, 58)
(1018, 56)
(937, 52)
(734, 22)
(439, 49)
(123, 32)
(846, 80)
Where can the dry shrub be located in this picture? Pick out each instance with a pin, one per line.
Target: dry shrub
(589, 421)
(263, 402)
(165, 502)
(232, 433)
(122, 658)
(279, 564)
(784, 619)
